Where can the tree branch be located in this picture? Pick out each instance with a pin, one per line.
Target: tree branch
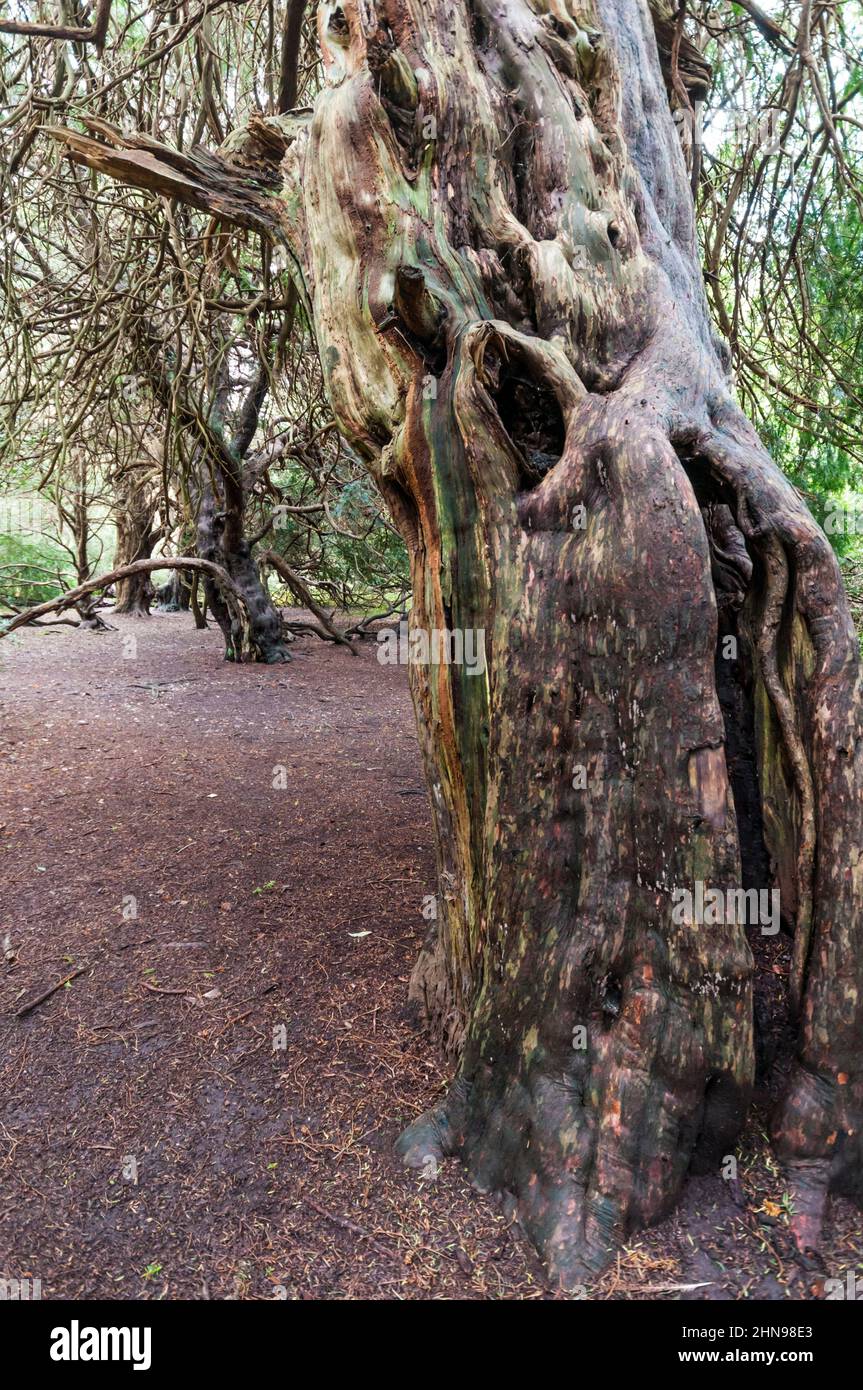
(95, 34)
(301, 591)
(236, 185)
(69, 599)
(291, 37)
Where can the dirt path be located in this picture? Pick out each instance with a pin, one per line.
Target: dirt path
(208, 1110)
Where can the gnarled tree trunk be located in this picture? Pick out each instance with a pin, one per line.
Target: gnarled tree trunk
(492, 216)
(221, 539)
(137, 534)
(175, 595)
(497, 235)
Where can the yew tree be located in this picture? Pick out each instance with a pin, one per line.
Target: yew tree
(489, 218)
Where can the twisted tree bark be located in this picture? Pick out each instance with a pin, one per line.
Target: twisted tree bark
(137, 502)
(221, 539)
(490, 214)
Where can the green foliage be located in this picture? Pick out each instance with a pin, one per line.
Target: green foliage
(28, 571)
(808, 445)
(781, 222)
(354, 560)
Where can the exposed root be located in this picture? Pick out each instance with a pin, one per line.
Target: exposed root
(776, 568)
(575, 1235)
(433, 1137)
(808, 1183)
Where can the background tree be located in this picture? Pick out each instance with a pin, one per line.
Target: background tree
(127, 325)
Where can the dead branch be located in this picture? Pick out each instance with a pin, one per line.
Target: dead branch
(41, 998)
(95, 34)
(301, 591)
(234, 186)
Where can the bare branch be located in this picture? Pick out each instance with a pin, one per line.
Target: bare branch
(95, 34)
(101, 581)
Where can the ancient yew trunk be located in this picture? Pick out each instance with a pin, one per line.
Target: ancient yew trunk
(137, 534)
(490, 216)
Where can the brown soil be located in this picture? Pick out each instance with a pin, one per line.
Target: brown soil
(261, 1172)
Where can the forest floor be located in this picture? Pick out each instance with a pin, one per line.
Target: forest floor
(208, 1109)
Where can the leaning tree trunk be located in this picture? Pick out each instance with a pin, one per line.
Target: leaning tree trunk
(490, 209)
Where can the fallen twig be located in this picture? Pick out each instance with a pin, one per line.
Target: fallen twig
(40, 999)
(663, 1288)
(352, 1226)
